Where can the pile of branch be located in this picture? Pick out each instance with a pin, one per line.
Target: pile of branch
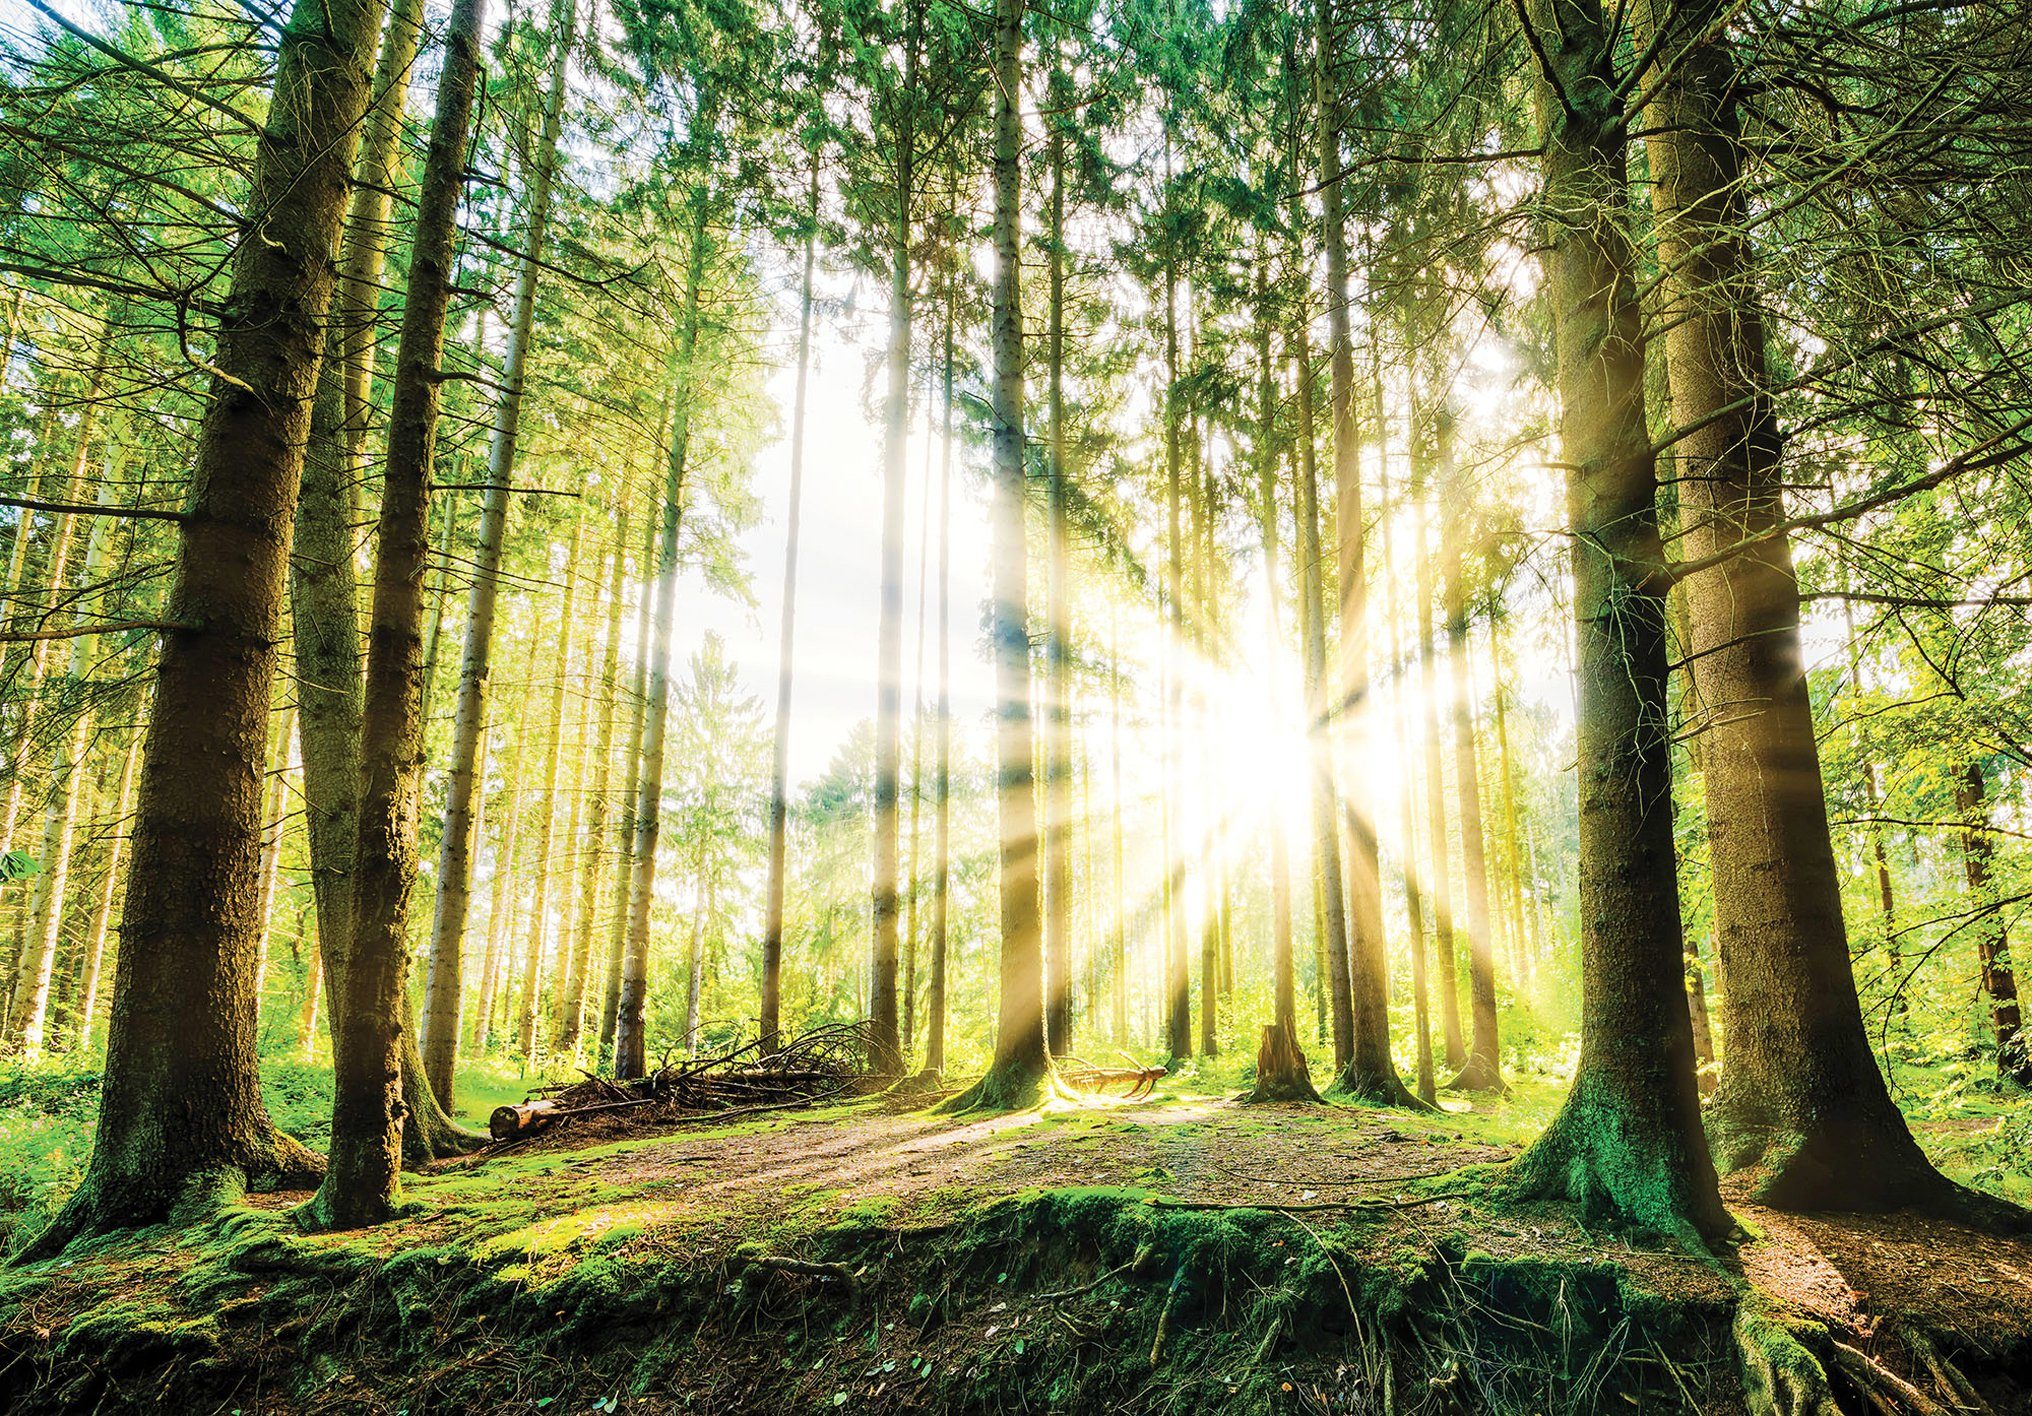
(821, 1065)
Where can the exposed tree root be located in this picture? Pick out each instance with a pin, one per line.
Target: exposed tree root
(103, 1204)
(1382, 1087)
(1781, 1377)
(1009, 1087)
(1848, 1169)
(1616, 1164)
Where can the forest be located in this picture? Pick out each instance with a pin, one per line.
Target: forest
(1147, 706)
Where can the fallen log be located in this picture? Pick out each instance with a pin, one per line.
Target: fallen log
(526, 1119)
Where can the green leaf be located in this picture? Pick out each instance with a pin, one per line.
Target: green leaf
(19, 865)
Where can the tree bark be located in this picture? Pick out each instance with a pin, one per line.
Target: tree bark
(1370, 1074)
(1021, 1070)
(188, 924)
(362, 1182)
(600, 835)
(94, 951)
(1801, 1103)
(444, 975)
(546, 829)
(885, 1048)
(1057, 793)
(631, 1017)
(1331, 930)
(1627, 1140)
(1993, 943)
(1439, 879)
(1483, 1069)
(771, 1021)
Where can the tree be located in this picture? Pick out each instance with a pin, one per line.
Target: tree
(1628, 1139)
(361, 1183)
(1021, 1070)
(454, 875)
(189, 922)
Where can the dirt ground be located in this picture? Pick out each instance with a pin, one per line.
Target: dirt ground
(1852, 1271)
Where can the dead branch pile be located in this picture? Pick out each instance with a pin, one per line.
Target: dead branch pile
(821, 1065)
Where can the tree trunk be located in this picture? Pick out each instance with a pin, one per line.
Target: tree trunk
(444, 975)
(941, 849)
(188, 926)
(507, 875)
(276, 815)
(1370, 1074)
(1057, 794)
(102, 912)
(1801, 1102)
(600, 835)
(695, 973)
(1483, 1070)
(546, 828)
(631, 780)
(1178, 989)
(362, 1181)
(63, 531)
(771, 1023)
(1281, 1070)
(1521, 960)
(1993, 943)
(885, 1049)
(1022, 1068)
(631, 1017)
(1627, 1140)
(1331, 925)
(1439, 879)
(66, 779)
(1414, 888)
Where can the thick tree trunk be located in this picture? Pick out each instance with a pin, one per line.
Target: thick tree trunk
(631, 1017)
(1021, 1069)
(1801, 1102)
(1628, 1140)
(445, 972)
(771, 1021)
(188, 925)
(368, 1012)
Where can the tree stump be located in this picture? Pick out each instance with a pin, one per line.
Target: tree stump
(1281, 1073)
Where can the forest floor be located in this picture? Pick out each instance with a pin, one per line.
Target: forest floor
(1185, 1253)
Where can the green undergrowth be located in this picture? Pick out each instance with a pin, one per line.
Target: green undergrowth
(1078, 1299)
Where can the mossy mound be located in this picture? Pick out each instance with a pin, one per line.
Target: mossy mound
(1061, 1299)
